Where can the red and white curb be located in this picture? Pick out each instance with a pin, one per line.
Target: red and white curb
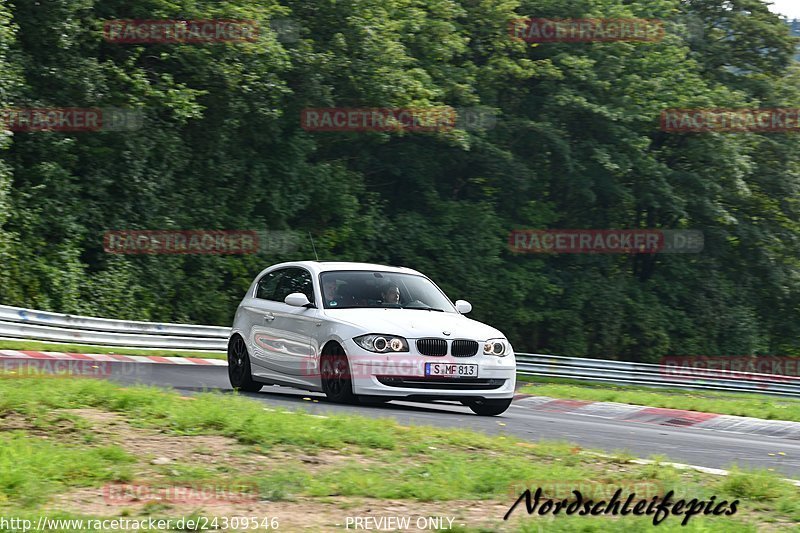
(682, 466)
(108, 358)
(662, 417)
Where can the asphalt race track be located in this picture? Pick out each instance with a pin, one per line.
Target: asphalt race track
(715, 449)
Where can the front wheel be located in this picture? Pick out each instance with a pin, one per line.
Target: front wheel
(335, 374)
(488, 407)
(239, 373)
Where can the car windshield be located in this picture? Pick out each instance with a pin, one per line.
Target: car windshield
(376, 289)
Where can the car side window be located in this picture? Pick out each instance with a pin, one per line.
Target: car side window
(268, 285)
(294, 280)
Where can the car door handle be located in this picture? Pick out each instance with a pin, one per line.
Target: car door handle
(269, 317)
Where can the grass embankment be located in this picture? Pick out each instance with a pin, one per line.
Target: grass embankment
(36, 346)
(739, 404)
(62, 440)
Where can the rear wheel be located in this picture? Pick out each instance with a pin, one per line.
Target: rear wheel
(239, 373)
(335, 374)
(488, 407)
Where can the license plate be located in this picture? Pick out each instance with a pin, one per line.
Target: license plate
(451, 370)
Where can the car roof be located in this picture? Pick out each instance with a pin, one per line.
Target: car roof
(317, 267)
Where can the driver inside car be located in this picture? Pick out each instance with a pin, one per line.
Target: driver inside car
(330, 290)
(391, 295)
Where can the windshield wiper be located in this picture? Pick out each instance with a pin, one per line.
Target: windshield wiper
(424, 308)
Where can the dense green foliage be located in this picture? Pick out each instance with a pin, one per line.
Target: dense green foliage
(576, 145)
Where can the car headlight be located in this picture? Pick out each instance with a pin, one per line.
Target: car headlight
(382, 343)
(498, 347)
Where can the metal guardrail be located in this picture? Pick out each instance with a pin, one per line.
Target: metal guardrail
(46, 318)
(16, 322)
(650, 375)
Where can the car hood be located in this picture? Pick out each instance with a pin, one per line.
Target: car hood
(414, 324)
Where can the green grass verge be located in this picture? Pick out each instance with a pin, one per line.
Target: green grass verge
(48, 450)
(36, 346)
(754, 405)
(32, 466)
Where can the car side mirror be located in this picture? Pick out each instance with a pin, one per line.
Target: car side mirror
(297, 299)
(463, 306)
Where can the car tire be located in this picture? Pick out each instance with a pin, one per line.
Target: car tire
(239, 373)
(488, 407)
(336, 379)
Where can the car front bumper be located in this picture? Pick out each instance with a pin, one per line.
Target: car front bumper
(402, 375)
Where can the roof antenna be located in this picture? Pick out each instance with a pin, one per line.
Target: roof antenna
(312, 245)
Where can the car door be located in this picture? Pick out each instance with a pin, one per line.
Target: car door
(260, 308)
(293, 351)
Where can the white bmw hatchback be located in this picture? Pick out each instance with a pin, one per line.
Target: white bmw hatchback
(366, 333)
